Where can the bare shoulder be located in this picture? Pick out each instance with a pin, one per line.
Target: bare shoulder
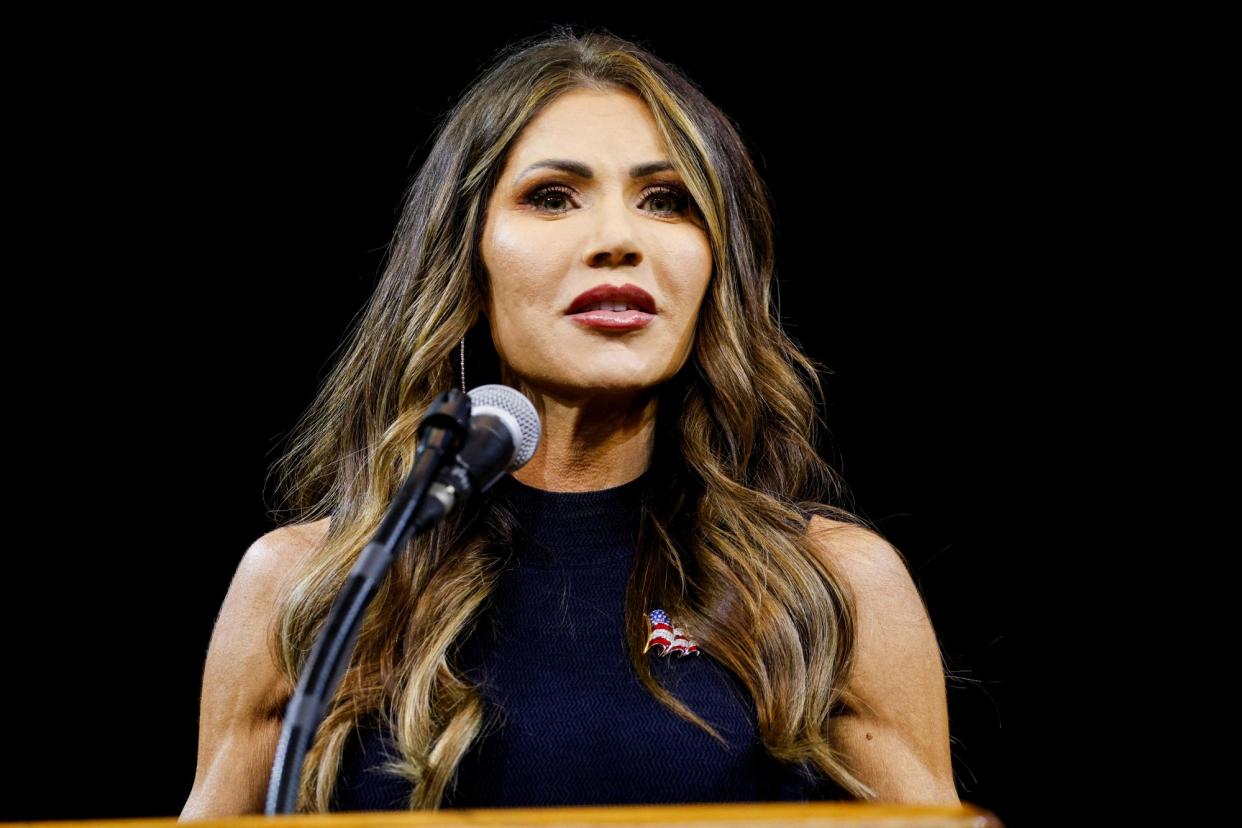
(272, 557)
(244, 689)
(291, 541)
(896, 731)
(892, 614)
(244, 622)
(858, 549)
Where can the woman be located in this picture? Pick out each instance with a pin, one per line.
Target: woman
(508, 659)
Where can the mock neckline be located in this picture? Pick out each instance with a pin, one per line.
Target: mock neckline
(576, 528)
(517, 486)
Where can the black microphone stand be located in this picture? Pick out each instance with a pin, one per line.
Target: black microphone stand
(442, 432)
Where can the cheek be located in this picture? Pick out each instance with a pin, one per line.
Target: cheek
(521, 310)
(693, 264)
(525, 267)
(523, 250)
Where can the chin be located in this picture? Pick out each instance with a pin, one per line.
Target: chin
(605, 384)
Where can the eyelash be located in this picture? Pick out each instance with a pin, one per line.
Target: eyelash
(537, 195)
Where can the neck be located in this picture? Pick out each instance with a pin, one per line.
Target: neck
(590, 444)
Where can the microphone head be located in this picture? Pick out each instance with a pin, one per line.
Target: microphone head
(517, 412)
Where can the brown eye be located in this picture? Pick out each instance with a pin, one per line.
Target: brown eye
(554, 192)
(671, 195)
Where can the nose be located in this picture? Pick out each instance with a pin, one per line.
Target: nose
(614, 240)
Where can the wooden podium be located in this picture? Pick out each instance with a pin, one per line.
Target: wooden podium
(697, 815)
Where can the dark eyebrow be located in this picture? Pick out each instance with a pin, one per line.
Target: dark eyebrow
(583, 171)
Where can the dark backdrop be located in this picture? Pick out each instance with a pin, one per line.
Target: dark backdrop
(222, 198)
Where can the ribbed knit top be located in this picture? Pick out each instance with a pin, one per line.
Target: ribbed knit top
(568, 722)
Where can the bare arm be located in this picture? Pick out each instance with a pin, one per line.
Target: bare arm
(244, 693)
(895, 737)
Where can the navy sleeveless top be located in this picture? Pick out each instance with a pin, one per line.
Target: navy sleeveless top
(567, 721)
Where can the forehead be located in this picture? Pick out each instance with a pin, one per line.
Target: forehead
(606, 130)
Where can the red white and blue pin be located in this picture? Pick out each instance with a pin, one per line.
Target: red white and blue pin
(669, 638)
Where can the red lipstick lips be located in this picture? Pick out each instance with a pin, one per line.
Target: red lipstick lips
(640, 307)
(627, 294)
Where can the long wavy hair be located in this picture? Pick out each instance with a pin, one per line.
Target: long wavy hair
(722, 542)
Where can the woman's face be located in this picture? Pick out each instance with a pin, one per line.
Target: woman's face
(551, 234)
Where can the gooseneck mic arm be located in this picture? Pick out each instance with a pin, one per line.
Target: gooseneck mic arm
(441, 433)
(466, 444)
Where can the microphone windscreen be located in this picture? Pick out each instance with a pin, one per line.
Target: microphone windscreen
(518, 412)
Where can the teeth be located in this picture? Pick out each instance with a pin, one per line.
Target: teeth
(608, 306)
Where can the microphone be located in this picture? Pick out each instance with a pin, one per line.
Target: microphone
(503, 435)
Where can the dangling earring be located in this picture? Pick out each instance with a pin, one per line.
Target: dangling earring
(463, 365)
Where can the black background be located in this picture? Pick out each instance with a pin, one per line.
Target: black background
(218, 199)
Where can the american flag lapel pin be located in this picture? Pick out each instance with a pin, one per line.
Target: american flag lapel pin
(670, 639)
